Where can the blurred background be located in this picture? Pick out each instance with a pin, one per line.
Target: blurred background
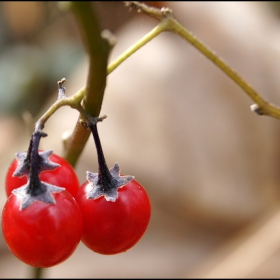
(175, 121)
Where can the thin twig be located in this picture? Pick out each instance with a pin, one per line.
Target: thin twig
(169, 23)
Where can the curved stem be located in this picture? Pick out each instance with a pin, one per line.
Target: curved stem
(169, 23)
(72, 101)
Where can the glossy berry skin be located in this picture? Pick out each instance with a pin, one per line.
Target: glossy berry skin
(114, 227)
(63, 176)
(42, 235)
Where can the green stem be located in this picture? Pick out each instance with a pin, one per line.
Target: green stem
(142, 42)
(265, 107)
(168, 23)
(98, 49)
(73, 101)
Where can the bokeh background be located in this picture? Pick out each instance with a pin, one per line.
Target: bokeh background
(175, 121)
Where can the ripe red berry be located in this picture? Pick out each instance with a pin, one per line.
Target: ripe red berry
(111, 227)
(41, 222)
(43, 234)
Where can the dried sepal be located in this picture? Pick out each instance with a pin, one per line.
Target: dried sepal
(45, 164)
(46, 196)
(95, 189)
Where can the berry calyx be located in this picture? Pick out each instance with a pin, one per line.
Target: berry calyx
(106, 182)
(31, 166)
(44, 163)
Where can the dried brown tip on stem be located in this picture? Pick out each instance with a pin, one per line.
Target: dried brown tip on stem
(109, 37)
(255, 108)
(156, 13)
(61, 89)
(61, 82)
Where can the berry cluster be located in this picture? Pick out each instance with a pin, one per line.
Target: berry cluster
(47, 212)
